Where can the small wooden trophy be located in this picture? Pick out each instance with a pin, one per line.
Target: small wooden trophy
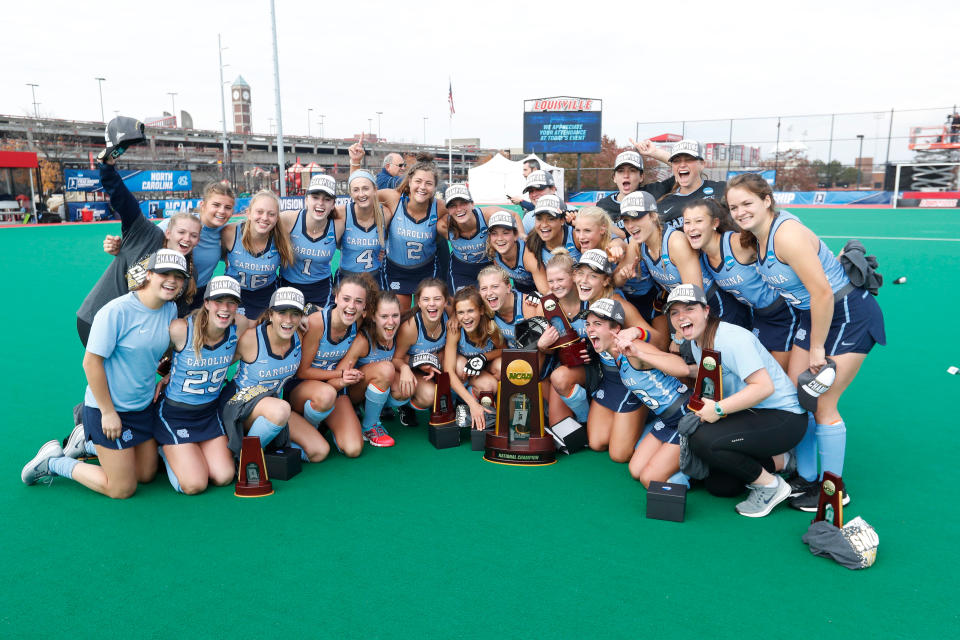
(831, 493)
(252, 480)
(519, 437)
(569, 344)
(709, 383)
(443, 430)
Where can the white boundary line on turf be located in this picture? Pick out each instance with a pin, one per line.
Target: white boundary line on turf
(892, 238)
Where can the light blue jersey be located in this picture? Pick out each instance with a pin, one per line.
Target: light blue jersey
(472, 250)
(522, 279)
(269, 369)
(640, 284)
(567, 243)
(424, 343)
(206, 255)
(359, 247)
(253, 272)
(509, 329)
(411, 243)
(330, 353)
(131, 338)
(311, 258)
(655, 389)
(376, 351)
(782, 277)
(742, 281)
(198, 380)
(662, 270)
(468, 349)
(741, 354)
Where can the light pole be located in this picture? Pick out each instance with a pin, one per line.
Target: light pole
(223, 105)
(33, 92)
(282, 175)
(859, 160)
(379, 113)
(425, 118)
(321, 124)
(369, 126)
(100, 86)
(173, 105)
(309, 111)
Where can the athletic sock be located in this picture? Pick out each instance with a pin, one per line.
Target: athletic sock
(807, 451)
(62, 466)
(265, 430)
(313, 416)
(786, 459)
(771, 484)
(171, 476)
(303, 454)
(578, 403)
(373, 405)
(832, 442)
(680, 478)
(89, 448)
(393, 402)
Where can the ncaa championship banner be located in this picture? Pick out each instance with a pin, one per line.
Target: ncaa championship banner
(136, 181)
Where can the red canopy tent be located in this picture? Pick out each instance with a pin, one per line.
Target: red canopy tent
(21, 160)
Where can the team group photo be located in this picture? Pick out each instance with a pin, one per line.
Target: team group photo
(623, 355)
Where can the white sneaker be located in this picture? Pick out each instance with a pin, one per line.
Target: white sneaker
(76, 443)
(762, 500)
(38, 468)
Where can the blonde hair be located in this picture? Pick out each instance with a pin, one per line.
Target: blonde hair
(494, 270)
(492, 331)
(190, 284)
(600, 217)
(280, 239)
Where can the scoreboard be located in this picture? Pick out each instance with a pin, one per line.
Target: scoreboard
(562, 125)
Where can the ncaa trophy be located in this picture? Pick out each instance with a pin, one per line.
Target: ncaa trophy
(252, 480)
(831, 494)
(569, 344)
(519, 437)
(443, 430)
(709, 383)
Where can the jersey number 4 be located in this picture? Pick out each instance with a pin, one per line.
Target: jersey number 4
(366, 258)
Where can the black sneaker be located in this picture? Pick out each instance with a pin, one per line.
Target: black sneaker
(408, 417)
(800, 486)
(387, 414)
(809, 499)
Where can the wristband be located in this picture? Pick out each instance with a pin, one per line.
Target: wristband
(643, 335)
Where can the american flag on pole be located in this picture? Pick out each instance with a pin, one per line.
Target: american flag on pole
(450, 99)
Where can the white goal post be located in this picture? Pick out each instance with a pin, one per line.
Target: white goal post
(936, 176)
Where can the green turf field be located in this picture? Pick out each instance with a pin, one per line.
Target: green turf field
(415, 542)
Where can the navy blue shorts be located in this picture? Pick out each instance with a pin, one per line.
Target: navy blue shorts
(728, 308)
(644, 302)
(464, 274)
(254, 302)
(316, 292)
(180, 423)
(776, 326)
(664, 428)
(613, 395)
(137, 427)
(405, 280)
(857, 325)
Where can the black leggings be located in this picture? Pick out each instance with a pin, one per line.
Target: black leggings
(738, 444)
(83, 330)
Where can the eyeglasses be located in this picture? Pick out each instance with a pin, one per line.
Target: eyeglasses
(401, 165)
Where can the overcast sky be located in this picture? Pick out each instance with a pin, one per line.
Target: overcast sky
(647, 61)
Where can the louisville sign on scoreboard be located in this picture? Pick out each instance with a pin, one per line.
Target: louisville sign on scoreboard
(562, 125)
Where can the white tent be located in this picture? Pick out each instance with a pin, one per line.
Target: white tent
(493, 181)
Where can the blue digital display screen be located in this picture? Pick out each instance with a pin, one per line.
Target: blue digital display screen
(561, 132)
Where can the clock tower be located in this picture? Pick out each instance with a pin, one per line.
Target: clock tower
(240, 94)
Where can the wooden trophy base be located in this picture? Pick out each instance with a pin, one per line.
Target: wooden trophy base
(538, 452)
(569, 354)
(252, 478)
